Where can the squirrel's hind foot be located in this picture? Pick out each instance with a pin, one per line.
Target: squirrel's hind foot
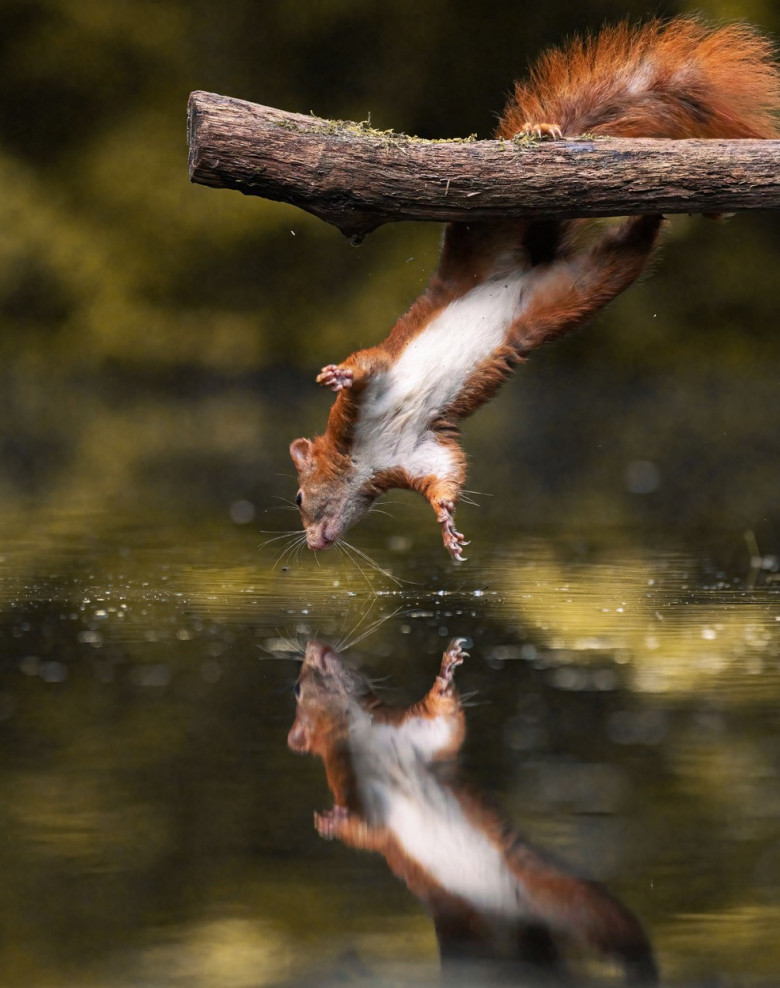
(542, 131)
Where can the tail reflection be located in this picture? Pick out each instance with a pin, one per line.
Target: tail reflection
(396, 790)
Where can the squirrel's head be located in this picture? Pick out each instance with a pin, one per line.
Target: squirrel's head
(326, 692)
(332, 497)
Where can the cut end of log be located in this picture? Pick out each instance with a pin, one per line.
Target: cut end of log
(245, 147)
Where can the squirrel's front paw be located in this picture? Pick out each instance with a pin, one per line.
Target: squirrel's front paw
(328, 824)
(454, 541)
(336, 377)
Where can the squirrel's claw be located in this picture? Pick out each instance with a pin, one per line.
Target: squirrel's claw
(454, 541)
(542, 131)
(452, 658)
(450, 661)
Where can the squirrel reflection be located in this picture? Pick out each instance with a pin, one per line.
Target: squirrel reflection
(396, 790)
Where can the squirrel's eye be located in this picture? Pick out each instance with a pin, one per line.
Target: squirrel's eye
(297, 691)
(299, 498)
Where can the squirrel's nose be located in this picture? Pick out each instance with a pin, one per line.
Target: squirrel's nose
(319, 540)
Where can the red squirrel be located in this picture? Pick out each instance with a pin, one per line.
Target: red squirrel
(396, 790)
(504, 288)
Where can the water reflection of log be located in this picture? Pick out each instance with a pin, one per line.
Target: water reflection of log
(397, 790)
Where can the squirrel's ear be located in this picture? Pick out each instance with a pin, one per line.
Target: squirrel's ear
(300, 451)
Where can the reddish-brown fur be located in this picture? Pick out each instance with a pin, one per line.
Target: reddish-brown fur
(706, 83)
(330, 698)
(675, 79)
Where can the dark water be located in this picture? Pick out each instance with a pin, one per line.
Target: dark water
(157, 831)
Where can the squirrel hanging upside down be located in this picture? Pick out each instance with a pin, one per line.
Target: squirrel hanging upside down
(504, 288)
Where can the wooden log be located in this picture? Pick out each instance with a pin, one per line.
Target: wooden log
(358, 178)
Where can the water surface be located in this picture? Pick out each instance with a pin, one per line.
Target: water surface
(623, 716)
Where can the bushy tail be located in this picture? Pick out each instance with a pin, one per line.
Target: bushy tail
(673, 79)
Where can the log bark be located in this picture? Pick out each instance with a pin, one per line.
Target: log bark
(358, 178)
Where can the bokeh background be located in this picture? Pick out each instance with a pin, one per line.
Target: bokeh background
(158, 347)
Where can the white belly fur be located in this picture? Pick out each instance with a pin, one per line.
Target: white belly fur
(457, 855)
(399, 791)
(398, 406)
